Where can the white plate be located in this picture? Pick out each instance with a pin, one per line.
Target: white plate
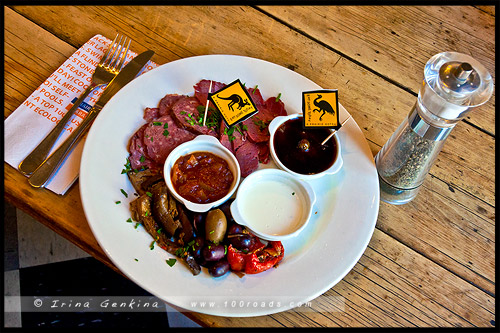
(334, 240)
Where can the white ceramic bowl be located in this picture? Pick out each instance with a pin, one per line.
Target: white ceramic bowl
(206, 143)
(275, 124)
(273, 204)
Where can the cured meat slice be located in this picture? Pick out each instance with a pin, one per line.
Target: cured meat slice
(256, 97)
(236, 137)
(166, 103)
(257, 126)
(164, 107)
(138, 153)
(223, 137)
(257, 130)
(151, 114)
(162, 136)
(272, 109)
(201, 90)
(248, 158)
(185, 112)
(263, 152)
(276, 107)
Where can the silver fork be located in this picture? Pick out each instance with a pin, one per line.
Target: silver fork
(109, 66)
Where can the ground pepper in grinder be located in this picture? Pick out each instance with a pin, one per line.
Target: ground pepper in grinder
(454, 84)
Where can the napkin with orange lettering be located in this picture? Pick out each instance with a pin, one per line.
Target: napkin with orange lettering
(28, 125)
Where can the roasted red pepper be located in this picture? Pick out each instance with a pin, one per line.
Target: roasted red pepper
(256, 261)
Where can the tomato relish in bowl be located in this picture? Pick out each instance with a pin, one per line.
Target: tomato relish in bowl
(201, 177)
(202, 173)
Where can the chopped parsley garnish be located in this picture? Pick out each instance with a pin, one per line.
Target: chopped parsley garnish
(239, 129)
(157, 123)
(129, 220)
(166, 132)
(278, 97)
(152, 246)
(149, 194)
(262, 124)
(190, 119)
(171, 261)
(213, 117)
(118, 202)
(181, 252)
(124, 193)
(127, 167)
(229, 132)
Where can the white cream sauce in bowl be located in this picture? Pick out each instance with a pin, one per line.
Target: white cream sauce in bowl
(273, 204)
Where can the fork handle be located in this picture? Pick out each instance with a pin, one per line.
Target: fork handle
(44, 172)
(40, 153)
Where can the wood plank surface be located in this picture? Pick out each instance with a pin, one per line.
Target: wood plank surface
(426, 263)
(397, 41)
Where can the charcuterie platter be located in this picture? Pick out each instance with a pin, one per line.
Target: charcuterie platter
(340, 227)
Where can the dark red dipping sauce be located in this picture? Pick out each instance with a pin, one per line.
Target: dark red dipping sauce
(201, 177)
(300, 149)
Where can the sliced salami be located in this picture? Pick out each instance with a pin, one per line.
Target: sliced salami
(151, 114)
(162, 136)
(138, 152)
(166, 103)
(185, 112)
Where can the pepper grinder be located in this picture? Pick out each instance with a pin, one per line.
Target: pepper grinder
(454, 84)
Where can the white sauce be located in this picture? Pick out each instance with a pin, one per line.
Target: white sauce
(272, 207)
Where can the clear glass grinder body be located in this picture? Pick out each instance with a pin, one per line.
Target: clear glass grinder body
(454, 84)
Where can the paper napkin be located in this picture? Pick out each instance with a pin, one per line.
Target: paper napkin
(26, 127)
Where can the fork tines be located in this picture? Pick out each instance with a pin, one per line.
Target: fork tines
(116, 54)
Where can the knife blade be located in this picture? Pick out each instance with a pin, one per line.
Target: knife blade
(46, 170)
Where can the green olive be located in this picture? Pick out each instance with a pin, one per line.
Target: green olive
(215, 226)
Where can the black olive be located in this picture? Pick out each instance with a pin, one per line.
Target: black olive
(219, 268)
(235, 229)
(241, 241)
(213, 252)
(199, 223)
(197, 247)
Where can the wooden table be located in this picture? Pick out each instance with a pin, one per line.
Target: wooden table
(430, 262)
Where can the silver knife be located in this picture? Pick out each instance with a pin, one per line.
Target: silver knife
(45, 171)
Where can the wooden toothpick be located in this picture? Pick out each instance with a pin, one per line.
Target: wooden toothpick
(208, 101)
(334, 131)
